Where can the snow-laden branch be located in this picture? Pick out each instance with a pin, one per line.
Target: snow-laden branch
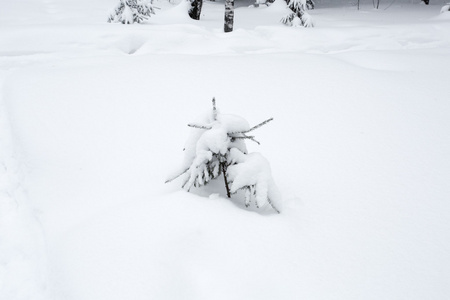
(252, 174)
(273, 206)
(172, 178)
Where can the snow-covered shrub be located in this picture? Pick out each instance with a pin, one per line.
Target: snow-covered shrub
(132, 11)
(445, 8)
(299, 15)
(262, 2)
(216, 147)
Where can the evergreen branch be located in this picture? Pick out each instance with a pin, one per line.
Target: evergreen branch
(199, 126)
(247, 197)
(259, 125)
(251, 190)
(175, 177)
(251, 138)
(288, 19)
(254, 127)
(241, 137)
(273, 206)
(186, 182)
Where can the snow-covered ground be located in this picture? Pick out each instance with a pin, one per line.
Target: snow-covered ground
(93, 118)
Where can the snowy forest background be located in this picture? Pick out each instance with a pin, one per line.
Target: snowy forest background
(93, 119)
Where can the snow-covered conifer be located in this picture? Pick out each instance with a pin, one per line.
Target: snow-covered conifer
(131, 11)
(299, 15)
(217, 147)
(445, 8)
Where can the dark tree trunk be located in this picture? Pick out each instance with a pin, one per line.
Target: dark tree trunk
(196, 9)
(376, 3)
(229, 15)
(224, 172)
(426, 1)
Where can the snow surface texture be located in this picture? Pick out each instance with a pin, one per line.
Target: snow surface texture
(22, 257)
(90, 123)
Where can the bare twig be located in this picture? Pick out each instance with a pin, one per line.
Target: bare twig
(199, 126)
(214, 109)
(252, 138)
(185, 183)
(254, 127)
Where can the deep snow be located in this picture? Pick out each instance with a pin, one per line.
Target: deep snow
(93, 117)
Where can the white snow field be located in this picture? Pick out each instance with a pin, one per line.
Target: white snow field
(93, 118)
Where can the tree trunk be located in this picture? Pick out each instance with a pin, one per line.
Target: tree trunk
(224, 173)
(196, 9)
(376, 3)
(229, 15)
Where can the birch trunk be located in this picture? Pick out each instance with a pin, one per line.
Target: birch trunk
(229, 15)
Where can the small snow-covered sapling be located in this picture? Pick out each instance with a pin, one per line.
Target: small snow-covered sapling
(131, 11)
(445, 8)
(298, 15)
(217, 147)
